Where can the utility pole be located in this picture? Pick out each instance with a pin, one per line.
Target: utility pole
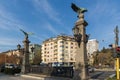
(116, 31)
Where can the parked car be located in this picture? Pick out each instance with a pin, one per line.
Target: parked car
(91, 69)
(9, 68)
(2, 68)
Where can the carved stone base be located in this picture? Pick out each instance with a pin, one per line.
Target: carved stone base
(77, 75)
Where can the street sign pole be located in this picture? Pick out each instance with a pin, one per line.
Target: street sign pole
(117, 68)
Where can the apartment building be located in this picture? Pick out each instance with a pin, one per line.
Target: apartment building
(10, 56)
(59, 51)
(92, 46)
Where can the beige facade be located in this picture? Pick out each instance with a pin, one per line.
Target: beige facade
(59, 51)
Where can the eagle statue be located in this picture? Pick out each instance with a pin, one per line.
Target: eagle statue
(78, 9)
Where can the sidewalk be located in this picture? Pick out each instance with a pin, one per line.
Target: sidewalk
(44, 77)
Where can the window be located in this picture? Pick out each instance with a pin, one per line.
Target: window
(61, 54)
(71, 47)
(66, 51)
(61, 58)
(61, 41)
(71, 51)
(71, 59)
(66, 54)
(45, 60)
(62, 50)
(66, 42)
(71, 43)
(62, 46)
(45, 44)
(66, 46)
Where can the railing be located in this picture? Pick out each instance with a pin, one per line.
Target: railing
(62, 72)
(53, 71)
(41, 70)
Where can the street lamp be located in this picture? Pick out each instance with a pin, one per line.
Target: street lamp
(23, 58)
(21, 50)
(19, 47)
(32, 50)
(77, 35)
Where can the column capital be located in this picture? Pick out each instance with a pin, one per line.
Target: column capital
(26, 41)
(81, 15)
(81, 22)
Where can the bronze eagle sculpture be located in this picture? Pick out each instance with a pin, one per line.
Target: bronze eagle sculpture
(25, 33)
(78, 9)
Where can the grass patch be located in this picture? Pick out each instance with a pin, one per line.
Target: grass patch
(113, 78)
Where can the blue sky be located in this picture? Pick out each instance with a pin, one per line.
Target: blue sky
(49, 18)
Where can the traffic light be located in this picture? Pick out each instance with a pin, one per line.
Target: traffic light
(111, 45)
(118, 51)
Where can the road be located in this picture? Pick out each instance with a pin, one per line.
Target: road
(101, 75)
(27, 77)
(97, 75)
(13, 77)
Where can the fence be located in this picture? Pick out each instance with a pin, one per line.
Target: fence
(53, 71)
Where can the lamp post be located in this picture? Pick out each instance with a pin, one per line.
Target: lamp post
(18, 47)
(32, 50)
(21, 50)
(79, 31)
(5, 58)
(77, 35)
(25, 66)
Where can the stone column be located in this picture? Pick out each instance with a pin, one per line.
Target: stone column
(81, 72)
(26, 65)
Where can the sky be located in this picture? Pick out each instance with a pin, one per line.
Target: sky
(49, 18)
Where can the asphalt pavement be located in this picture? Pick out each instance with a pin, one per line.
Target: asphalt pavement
(15, 77)
(97, 75)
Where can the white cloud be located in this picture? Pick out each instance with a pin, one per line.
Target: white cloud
(103, 9)
(8, 41)
(50, 28)
(8, 20)
(8, 24)
(44, 5)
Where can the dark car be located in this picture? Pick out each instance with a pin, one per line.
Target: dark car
(9, 68)
(2, 68)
